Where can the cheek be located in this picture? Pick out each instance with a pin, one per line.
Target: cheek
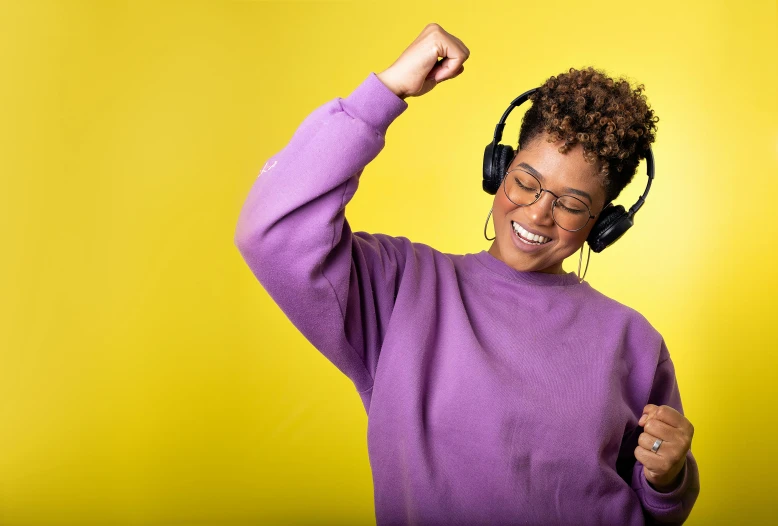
(574, 238)
(570, 238)
(501, 210)
(501, 202)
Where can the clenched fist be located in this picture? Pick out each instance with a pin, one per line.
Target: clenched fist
(417, 70)
(662, 468)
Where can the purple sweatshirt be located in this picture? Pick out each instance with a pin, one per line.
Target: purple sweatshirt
(494, 396)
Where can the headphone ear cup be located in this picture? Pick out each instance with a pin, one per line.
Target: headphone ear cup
(488, 184)
(610, 226)
(503, 159)
(494, 171)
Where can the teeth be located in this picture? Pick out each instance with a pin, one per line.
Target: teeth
(529, 236)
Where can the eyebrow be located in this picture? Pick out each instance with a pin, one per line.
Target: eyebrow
(540, 176)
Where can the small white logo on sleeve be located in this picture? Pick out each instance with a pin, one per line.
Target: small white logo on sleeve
(267, 168)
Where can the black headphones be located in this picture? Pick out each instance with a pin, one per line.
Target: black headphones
(613, 222)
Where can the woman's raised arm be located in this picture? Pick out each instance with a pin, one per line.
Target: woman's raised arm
(339, 287)
(335, 286)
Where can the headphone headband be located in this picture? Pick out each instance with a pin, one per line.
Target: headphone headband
(518, 101)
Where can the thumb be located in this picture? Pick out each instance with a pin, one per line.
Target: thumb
(447, 68)
(457, 72)
(648, 411)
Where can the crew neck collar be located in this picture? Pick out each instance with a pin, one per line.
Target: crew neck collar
(501, 268)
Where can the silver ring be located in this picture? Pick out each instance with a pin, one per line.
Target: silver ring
(656, 445)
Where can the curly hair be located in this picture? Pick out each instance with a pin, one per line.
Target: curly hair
(612, 121)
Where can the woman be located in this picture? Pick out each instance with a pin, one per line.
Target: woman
(499, 388)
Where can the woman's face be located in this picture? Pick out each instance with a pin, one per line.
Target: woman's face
(558, 173)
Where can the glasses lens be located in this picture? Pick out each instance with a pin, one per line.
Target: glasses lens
(571, 213)
(521, 187)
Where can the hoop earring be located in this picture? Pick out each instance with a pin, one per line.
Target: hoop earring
(581, 278)
(487, 222)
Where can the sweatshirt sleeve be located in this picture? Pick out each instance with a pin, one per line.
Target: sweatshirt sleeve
(675, 506)
(337, 287)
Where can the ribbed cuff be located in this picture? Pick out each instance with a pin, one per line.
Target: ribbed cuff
(374, 103)
(659, 500)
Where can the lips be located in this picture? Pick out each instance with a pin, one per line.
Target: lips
(531, 231)
(525, 246)
(529, 235)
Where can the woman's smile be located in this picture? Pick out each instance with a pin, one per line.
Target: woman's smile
(523, 244)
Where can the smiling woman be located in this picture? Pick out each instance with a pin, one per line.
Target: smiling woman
(499, 389)
(580, 142)
(545, 206)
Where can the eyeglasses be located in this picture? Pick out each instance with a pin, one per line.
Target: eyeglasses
(523, 189)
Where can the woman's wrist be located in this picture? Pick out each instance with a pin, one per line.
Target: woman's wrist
(387, 81)
(670, 486)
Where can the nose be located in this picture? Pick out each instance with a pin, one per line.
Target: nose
(541, 210)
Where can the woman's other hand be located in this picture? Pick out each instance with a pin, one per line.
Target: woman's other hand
(662, 468)
(417, 70)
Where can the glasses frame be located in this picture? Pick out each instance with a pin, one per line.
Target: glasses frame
(540, 193)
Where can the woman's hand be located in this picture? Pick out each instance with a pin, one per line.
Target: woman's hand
(662, 468)
(417, 70)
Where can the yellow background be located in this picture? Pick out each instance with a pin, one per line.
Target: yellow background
(147, 378)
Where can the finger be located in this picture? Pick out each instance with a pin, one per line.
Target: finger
(665, 413)
(461, 44)
(451, 41)
(648, 411)
(454, 56)
(649, 459)
(670, 415)
(659, 429)
(646, 441)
